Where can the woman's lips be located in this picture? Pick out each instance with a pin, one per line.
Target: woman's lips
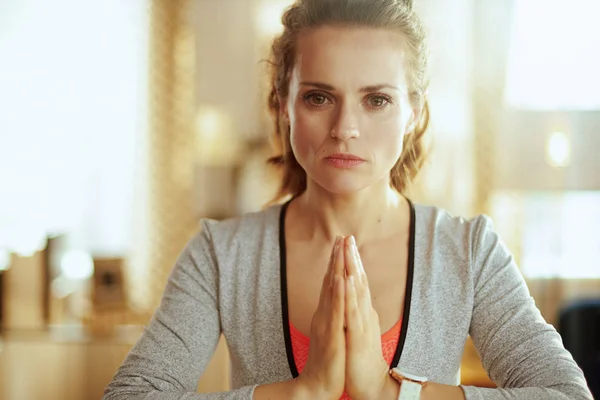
(344, 160)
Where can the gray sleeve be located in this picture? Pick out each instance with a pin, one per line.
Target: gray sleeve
(522, 353)
(167, 361)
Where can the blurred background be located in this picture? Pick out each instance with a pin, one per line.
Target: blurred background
(122, 123)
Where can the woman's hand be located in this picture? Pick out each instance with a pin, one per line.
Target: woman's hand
(367, 374)
(323, 375)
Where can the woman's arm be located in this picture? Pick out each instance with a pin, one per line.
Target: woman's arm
(522, 353)
(181, 338)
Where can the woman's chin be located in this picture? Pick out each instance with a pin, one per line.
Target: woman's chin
(343, 186)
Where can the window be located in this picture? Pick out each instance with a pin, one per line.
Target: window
(554, 234)
(553, 58)
(73, 109)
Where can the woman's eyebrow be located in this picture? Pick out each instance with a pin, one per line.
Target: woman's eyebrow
(365, 89)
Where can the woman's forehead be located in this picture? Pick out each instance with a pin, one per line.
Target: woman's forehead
(363, 56)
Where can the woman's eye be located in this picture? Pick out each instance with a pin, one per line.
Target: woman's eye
(377, 101)
(316, 99)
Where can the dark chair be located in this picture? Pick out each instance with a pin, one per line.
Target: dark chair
(579, 326)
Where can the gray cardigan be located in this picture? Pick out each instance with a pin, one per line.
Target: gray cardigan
(462, 280)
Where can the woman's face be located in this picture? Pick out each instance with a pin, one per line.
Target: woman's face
(348, 106)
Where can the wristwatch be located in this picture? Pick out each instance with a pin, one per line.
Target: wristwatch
(410, 385)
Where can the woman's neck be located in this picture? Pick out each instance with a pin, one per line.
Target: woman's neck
(370, 214)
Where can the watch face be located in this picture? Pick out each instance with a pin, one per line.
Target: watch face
(410, 376)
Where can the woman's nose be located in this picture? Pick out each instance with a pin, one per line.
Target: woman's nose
(345, 126)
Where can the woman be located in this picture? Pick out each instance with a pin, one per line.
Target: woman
(303, 291)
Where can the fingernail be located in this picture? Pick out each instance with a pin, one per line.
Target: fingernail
(353, 247)
(337, 243)
(352, 241)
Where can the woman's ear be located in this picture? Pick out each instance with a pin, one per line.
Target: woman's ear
(412, 121)
(283, 110)
(285, 115)
(414, 118)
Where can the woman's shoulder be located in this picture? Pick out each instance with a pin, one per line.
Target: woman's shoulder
(441, 221)
(245, 229)
(256, 220)
(453, 234)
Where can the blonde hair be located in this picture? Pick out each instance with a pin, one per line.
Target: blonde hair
(306, 14)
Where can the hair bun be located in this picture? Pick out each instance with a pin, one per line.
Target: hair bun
(408, 4)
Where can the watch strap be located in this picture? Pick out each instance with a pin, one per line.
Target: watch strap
(409, 390)
(410, 385)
